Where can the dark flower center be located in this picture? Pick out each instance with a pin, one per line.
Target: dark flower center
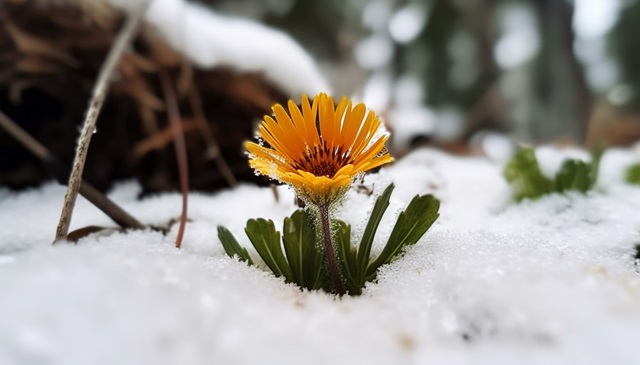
(323, 161)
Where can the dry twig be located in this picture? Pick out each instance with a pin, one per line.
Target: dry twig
(99, 93)
(175, 121)
(213, 150)
(113, 211)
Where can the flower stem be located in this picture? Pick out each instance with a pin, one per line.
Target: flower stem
(332, 259)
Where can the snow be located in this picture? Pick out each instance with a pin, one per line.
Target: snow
(550, 281)
(410, 123)
(212, 40)
(550, 158)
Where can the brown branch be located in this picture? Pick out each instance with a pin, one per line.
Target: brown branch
(173, 112)
(61, 172)
(23, 137)
(99, 92)
(213, 149)
(160, 140)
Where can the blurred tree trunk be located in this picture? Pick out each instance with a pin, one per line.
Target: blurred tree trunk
(564, 96)
(487, 112)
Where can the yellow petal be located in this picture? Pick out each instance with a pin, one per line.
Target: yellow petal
(318, 148)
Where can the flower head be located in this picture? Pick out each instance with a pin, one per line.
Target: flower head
(320, 149)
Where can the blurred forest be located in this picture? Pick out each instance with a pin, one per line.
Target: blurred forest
(538, 70)
(467, 76)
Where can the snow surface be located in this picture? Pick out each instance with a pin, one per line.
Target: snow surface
(212, 40)
(550, 281)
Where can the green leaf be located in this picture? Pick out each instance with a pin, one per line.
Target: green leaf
(524, 175)
(364, 250)
(306, 263)
(573, 175)
(578, 175)
(231, 245)
(348, 258)
(411, 225)
(633, 174)
(266, 240)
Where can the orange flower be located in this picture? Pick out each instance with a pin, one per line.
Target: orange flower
(321, 149)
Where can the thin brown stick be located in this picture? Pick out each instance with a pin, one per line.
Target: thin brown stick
(108, 207)
(213, 149)
(173, 112)
(160, 140)
(274, 190)
(23, 137)
(99, 93)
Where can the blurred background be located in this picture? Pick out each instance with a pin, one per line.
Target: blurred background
(467, 76)
(452, 71)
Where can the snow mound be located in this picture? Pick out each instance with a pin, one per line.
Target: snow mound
(550, 281)
(212, 40)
